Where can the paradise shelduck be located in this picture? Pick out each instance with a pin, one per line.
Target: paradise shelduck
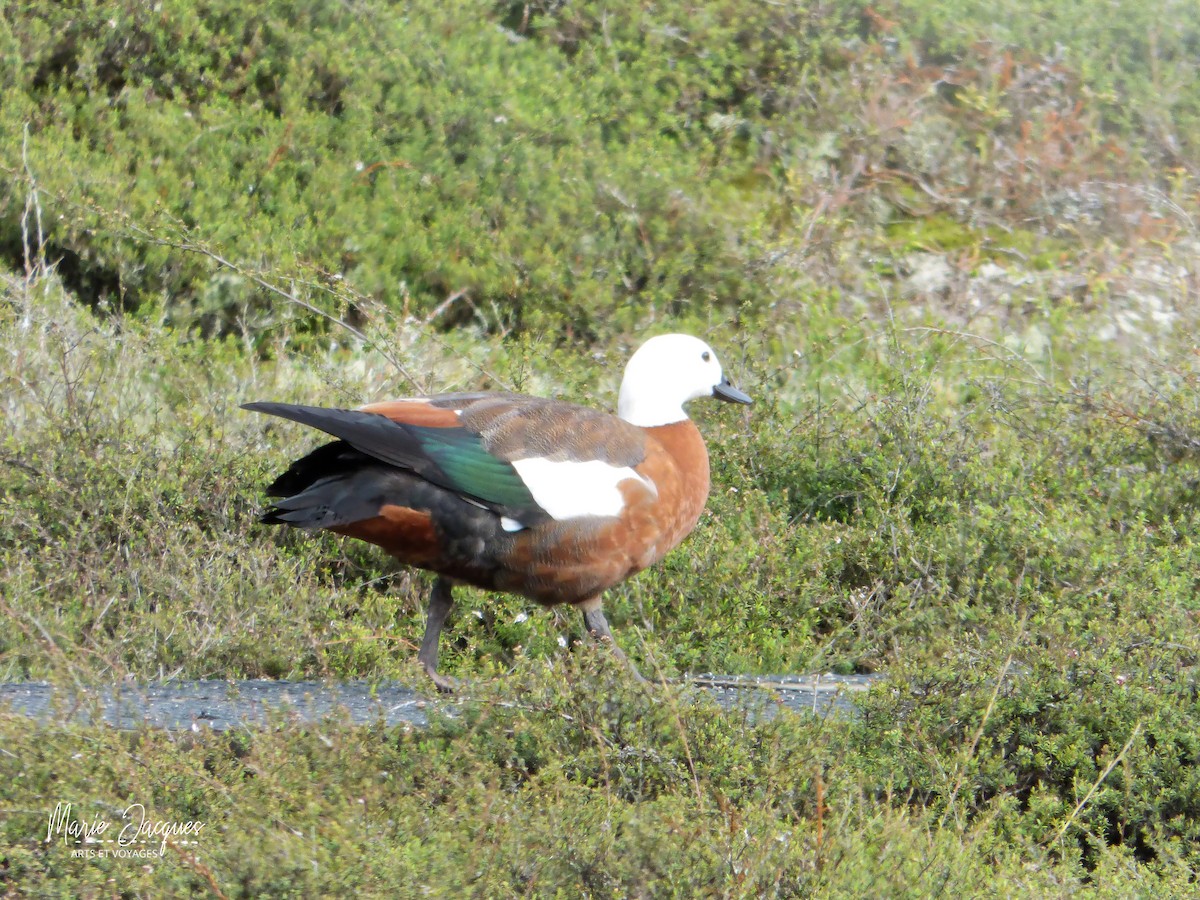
(542, 498)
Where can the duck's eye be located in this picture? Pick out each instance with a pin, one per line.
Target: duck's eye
(706, 356)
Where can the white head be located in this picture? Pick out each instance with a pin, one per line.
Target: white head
(666, 372)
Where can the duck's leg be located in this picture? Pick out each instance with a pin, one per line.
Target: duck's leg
(441, 600)
(597, 627)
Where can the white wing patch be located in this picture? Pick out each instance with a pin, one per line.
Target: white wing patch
(569, 489)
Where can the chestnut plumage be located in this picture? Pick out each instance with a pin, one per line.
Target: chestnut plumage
(542, 498)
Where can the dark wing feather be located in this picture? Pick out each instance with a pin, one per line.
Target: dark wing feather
(453, 458)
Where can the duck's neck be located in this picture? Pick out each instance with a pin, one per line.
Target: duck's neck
(648, 409)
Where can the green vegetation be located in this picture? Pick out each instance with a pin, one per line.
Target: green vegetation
(954, 265)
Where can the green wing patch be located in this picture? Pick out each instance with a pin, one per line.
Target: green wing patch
(469, 467)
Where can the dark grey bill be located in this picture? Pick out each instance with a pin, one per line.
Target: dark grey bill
(726, 391)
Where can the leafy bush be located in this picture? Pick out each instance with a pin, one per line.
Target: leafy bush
(364, 146)
(544, 167)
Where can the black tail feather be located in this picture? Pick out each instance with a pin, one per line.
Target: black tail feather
(334, 458)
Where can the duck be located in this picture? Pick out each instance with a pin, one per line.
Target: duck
(533, 496)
